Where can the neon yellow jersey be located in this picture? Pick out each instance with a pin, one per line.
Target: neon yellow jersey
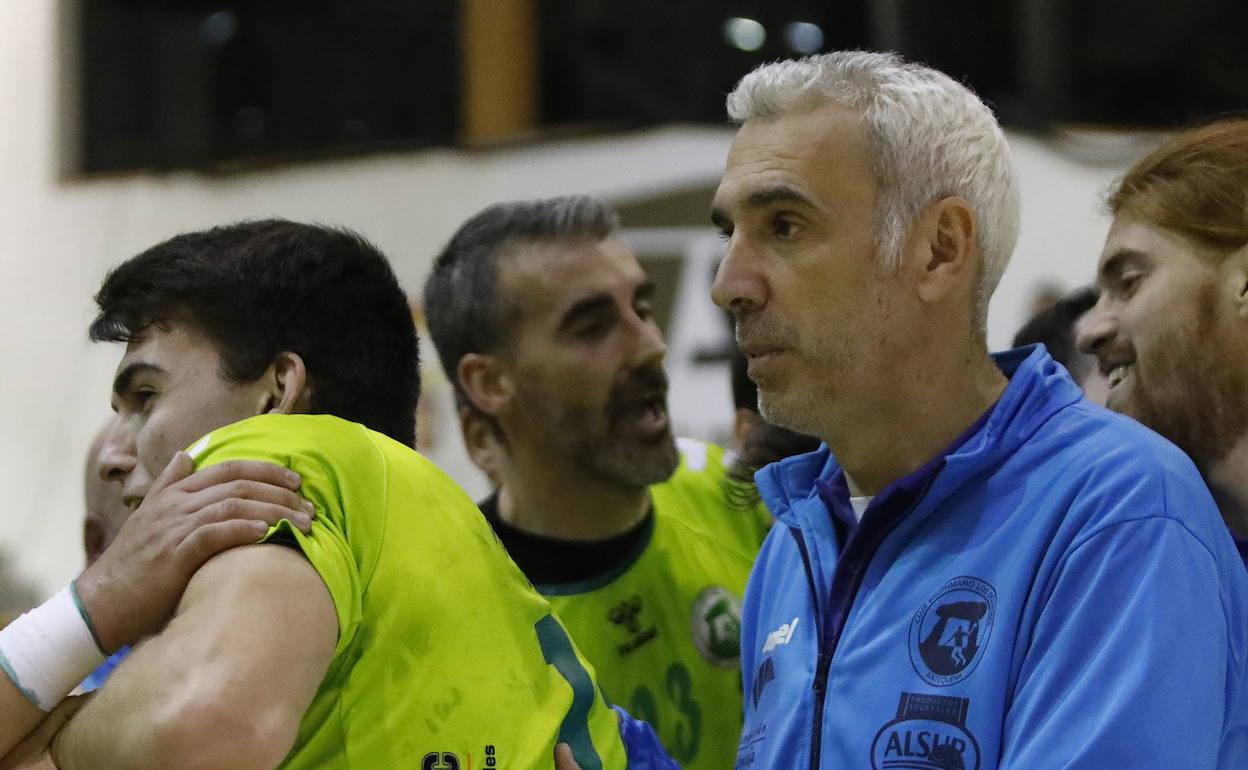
(446, 657)
(662, 631)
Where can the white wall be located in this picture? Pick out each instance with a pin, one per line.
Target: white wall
(1063, 224)
(59, 238)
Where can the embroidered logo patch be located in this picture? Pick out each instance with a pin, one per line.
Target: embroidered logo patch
(949, 632)
(716, 626)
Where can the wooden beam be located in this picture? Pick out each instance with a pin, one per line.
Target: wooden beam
(500, 69)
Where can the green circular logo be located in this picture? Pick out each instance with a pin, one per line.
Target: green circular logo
(716, 621)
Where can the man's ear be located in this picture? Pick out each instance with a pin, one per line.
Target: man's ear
(483, 447)
(1237, 272)
(945, 242)
(289, 391)
(486, 382)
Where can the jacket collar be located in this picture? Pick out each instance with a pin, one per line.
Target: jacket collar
(1038, 388)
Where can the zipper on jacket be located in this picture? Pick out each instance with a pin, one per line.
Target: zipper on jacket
(829, 642)
(824, 663)
(821, 689)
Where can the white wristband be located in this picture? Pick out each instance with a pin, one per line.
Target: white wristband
(49, 650)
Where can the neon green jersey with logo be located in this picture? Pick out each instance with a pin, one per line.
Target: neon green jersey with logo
(662, 629)
(446, 657)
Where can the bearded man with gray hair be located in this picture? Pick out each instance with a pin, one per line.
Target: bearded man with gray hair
(980, 569)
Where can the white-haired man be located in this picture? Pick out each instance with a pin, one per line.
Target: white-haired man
(982, 569)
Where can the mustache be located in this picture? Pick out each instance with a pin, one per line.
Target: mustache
(642, 384)
(762, 331)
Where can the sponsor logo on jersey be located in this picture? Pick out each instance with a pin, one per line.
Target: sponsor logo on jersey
(929, 733)
(627, 614)
(716, 625)
(446, 760)
(780, 636)
(440, 760)
(766, 672)
(949, 632)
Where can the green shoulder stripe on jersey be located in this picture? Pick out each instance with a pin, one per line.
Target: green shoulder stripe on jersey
(557, 649)
(662, 634)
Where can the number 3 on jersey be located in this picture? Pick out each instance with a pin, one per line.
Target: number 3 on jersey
(685, 738)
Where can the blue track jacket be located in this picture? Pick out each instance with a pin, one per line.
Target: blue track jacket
(1056, 590)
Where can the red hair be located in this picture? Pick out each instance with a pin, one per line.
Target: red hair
(1195, 184)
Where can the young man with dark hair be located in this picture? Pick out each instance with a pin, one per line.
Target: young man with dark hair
(104, 515)
(397, 633)
(1171, 327)
(542, 318)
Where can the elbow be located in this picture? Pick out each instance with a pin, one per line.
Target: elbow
(213, 735)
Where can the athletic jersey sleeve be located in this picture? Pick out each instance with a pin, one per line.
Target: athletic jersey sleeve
(289, 443)
(1127, 664)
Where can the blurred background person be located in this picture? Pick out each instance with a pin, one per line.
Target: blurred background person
(546, 321)
(1055, 327)
(106, 512)
(758, 442)
(1171, 328)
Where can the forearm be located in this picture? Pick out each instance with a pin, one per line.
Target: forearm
(18, 716)
(132, 589)
(187, 698)
(132, 721)
(43, 655)
(157, 713)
